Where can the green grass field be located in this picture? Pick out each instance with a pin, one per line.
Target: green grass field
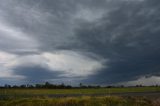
(76, 91)
(80, 101)
(18, 97)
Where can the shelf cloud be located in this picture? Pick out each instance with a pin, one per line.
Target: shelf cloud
(94, 42)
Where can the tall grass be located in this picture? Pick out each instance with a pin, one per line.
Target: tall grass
(78, 101)
(40, 97)
(76, 91)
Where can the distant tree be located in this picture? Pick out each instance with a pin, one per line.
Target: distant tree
(109, 86)
(68, 86)
(61, 86)
(121, 86)
(98, 86)
(15, 86)
(80, 84)
(38, 86)
(22, 86)
(139, 85)
(30, 86)
(47, 83)
(7, 86)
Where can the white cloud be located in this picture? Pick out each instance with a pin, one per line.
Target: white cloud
(73, 63)
(153, 80)
(5, 59)
(70, 63)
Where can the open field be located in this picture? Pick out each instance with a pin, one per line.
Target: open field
(81, 101)
(77, 91)
(140, 96)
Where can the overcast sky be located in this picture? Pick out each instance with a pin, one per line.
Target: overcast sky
(89, 41)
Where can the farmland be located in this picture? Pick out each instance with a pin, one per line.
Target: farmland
(80, 101)
(133, 96)
(76, 91)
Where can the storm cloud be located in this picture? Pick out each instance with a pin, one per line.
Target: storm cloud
(89, 41)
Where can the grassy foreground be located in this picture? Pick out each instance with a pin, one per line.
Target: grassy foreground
(76, 91)
(80, 101)
(39, 97)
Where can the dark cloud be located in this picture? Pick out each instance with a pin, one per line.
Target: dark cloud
(51, 23)
(125, 33)
(129, 38)
(35, 74)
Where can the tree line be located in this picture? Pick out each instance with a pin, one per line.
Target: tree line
(49, 85)
(63, 86)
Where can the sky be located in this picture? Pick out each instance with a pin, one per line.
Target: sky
(104, 42)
